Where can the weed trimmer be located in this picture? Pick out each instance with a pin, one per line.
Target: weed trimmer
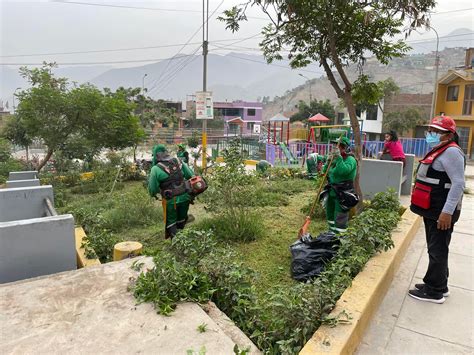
(304, 228)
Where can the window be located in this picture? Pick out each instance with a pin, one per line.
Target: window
(372, 113)
(250, 126)
(251, 112)
(229, 112)
(468, 100)
(453, 93)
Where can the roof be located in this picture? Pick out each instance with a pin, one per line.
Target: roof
(279, 118)
(236, 120)
(454, 74)
(318, 118)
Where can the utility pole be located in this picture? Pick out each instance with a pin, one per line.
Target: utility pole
(435, 91)
(205, 38)
(309, 82)
(143, 84)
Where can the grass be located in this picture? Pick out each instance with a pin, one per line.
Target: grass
(270, 255)
(129, 214)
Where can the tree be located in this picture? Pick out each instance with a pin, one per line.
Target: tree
(335, 33)
(305, 111)
(403, 121)
(15, 131)
(366, 93)
(58, 114)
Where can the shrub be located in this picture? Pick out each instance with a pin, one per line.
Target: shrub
(387, 200)
(281, 320)
(7, 166)
(193, 141)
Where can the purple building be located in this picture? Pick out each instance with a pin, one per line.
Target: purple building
(240, 117)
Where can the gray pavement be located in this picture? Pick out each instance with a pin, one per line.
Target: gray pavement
(403, 325)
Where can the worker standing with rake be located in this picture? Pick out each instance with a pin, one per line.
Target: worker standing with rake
(339, 194)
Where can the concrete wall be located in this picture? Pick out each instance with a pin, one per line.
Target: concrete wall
(380, 175)
(22, 183)
(24, 202)
(22, 175)
(35, 247)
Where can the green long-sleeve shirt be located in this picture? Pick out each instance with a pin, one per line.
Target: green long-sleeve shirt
(342, 169)
(158, 175)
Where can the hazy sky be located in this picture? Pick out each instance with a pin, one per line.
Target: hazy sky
(41, 26)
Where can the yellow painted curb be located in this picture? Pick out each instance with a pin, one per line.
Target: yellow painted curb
(363, 298)
(246, 162)
(82, 261)
(251, 162)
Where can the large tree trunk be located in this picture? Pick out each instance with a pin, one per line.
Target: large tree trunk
(347, 97)
(46, 159)
(358, 151)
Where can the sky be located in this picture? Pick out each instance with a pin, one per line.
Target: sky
(40, 27)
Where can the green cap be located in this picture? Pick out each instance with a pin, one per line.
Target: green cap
(160, 148)
(182, 146)
(343, 141)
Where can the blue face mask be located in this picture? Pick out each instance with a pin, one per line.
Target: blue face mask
(433, 139)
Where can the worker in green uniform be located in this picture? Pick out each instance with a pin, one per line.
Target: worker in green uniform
(341, 176)
(167, 176)
(182, 154)
(314, 164)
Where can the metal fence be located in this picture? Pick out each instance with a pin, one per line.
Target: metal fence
(299, 150)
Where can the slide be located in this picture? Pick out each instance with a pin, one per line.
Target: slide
(291, 159)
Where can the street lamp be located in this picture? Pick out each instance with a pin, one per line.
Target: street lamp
(435, 91)
(309, 81)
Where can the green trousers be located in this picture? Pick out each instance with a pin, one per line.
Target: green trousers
(337, 218)
(175, 215)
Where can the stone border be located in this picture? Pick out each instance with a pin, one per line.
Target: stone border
(363, 298)
(82, 260)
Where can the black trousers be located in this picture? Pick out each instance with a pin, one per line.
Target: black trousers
(436, 277)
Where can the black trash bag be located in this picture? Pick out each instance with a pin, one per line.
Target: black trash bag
(310, 255)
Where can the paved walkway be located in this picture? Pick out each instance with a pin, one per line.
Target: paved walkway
(403, 325)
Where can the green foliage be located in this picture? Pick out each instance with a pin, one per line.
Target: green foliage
(318, 213)
(387, 200)
(305, 111)
(15, 131)
(366, 93)
(104, 216)
(402, 121)
(193, 141)
(5, 150)
(230, 196)
(334, 34)
(282, 319)
(202, 328)
(80, 120)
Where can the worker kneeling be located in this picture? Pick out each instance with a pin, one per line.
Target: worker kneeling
(339, 195)
(177, 185)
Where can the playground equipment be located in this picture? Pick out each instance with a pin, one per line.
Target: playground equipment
(279, 122)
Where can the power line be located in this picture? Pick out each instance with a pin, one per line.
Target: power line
(157, 82)
(174, 72)
(121, 6)
(140, 8)
(120, 49)
(450, 11)
(106, 62)
(273, 64)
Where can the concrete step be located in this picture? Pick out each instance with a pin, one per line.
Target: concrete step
(91, 310)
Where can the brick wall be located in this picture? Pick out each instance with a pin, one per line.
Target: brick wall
(402, 102)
